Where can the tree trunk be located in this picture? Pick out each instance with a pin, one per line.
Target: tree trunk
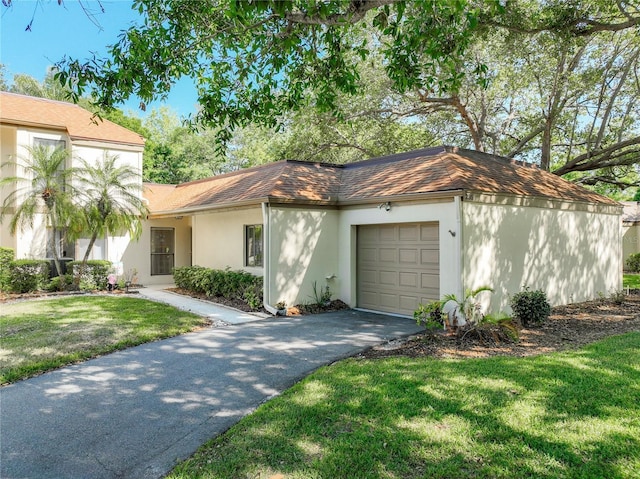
(54, 249)
(545, 154)
(83, 265)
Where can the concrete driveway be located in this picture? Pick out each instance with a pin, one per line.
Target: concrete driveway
(134, 413)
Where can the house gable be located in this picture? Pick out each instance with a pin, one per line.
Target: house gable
(78, 123)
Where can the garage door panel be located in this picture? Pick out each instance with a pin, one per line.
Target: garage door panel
(367, 235)
(368, 255)
(389, 278)
(368, 276)
(397, 266)
(429, 233)
(408, 233)
(387, 233)
(408, 256)
(408, 279)
(369, 299)
(409, 302)
(429, 257)
(387, 255)
(429, 280)
(389, 300)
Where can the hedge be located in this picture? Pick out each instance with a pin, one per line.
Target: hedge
(95, 273)
(27, 275)
(223, 283)
(6, 257)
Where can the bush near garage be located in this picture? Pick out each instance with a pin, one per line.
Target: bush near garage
(531, 308)
(633, 263)
(227, 284)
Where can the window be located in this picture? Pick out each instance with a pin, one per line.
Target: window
(162, 250)
(52, 145)
(65, 248)
(253, 245)
(99, 250)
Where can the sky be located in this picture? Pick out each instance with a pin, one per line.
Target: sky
(59, 30)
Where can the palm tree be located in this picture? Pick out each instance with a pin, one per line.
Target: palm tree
(45, 189)
(111, 199)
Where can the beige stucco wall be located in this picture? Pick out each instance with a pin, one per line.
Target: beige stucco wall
(218, 238)
(7, 153)
(31, 242)
(630, 241)
(137, 254)
(571, 255)
(302, 249)
(444, 211)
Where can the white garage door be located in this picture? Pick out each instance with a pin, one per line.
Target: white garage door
(398, 266)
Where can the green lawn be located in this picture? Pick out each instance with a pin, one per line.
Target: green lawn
(631, 281)
(566, 415)
(37, 336)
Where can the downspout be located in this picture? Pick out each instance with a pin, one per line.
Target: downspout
(459, 245)
(266, 292)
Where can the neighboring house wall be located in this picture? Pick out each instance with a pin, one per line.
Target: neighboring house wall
(28, 242)
(630, 241)
(302, 248)
(444, 211)
(565, 251)
(219, 238)
(24, 121)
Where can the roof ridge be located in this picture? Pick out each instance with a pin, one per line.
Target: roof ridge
(241, 171)
(40, 98)
(381, 160)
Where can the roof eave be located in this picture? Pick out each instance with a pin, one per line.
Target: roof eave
(403, 197)
(201, 209)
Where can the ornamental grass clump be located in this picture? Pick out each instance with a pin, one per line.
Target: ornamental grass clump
(531, 308)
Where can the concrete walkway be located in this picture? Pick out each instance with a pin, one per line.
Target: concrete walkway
(134, 413)
(219, 315)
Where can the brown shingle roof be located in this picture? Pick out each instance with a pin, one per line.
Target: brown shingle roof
(449, 168)
(156, 195)
(418, 172)
(76, 121)
(284, 181)
(631, 212)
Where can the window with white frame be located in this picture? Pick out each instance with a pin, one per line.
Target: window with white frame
(253, 245)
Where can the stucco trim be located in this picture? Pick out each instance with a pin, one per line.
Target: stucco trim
(539, 202)
(104, 144)
(413, 197)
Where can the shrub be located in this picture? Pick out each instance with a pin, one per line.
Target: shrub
(221, 283)
(27, 275)
(192, 278)
(6, 257)
(95, 273)
(530, 307)
(633, 263)
(56, 284)
(429, 315)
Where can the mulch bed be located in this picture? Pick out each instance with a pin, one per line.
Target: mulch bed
(569, 327)
(298, 310)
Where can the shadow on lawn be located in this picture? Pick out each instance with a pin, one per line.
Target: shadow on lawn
(567, 415)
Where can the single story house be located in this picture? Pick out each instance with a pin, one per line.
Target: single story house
(630, 228)
(388, 233)
(383, 234)
(28, 122)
